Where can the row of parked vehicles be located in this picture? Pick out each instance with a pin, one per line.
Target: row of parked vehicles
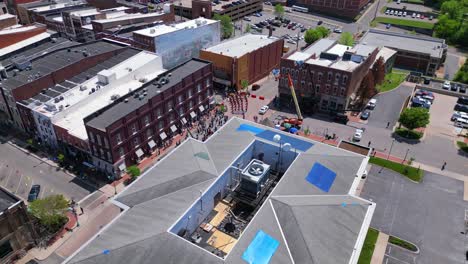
(423, 98)
(455, 87)
(392, 12)
(460, 116)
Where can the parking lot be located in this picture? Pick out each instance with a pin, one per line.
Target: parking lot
(441, 111)
(456, 88)
(429, 214)
(410, 15)
(19, 171)
(283, 30)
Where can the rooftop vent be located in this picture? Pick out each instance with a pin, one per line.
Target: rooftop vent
(114, 97)
(141, 97)
(126, 100)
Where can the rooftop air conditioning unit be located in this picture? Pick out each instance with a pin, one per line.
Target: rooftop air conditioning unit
(152, 30)
(254, 176)
(115, 97)
(83, 88)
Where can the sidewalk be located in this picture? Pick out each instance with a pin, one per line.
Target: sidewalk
(379, 250)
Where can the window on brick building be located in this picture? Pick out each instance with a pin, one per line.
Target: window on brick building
(149, 133)
(133, 128)
(302, 83)
(90, 135)
(208, 82)
(199, 87)
(109, 158)
(320, 76)
(190, 104)
(180, 98)
(106, 142)
(342, 91)
(118, 138)
(189, 93)
(312, 74)
(335, 90)
(95, 150)
(161, 124)
(102, 154)
(181, 111)
(337, 78)
(327, 88)
(169, 105)
(208, 93)
(317, 88)
(99, 140)
(147, 120)
(345, 79)
(136, 142)
(200, 99)
(329, 76)
(121, 152)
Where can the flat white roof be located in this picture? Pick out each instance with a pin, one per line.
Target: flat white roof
(85, 12)
(242, 45)
(164, 29)
(144, 65)
(56, 6)
(316, 48)
(16, 29)
(24, 43)
(338, 49)
(128, 16)
(5, 16)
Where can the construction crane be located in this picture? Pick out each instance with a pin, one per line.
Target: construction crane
(297, 122)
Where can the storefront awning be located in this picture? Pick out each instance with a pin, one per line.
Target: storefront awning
(163, 136)
(184, 121)
(192, 114)
(173, 128)
(139, 153)
(122, 167)
(151, 143)
(201, 108)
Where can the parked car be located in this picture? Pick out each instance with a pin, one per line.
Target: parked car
(422, 17)
(387, 12)
(461, 122)
(247, 18)
(358, 135)
(413, 15)
(454, 87)
(431, 17)
(458, 114)
(320, 22)
(427, 80)
(400, 13)
(418, 15)
(398, 2)
(338, 30)
(341, 118)
(446, 85)
(371, 104)
(263, 109)
(391, 12)
(462, 89)
(365, 115)
(462, 100)
(388, 26)
(34, 192)
(461, 108)
(404, 13)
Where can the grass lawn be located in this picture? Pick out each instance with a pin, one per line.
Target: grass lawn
(463, 146)
(402, 243)
(404, 22)
(392, 80)
(368, 247)
(407, 171)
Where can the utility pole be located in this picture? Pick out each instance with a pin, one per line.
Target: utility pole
(390, 151)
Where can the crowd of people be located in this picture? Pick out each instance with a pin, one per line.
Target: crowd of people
(209, 124)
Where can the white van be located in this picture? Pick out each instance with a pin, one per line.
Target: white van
(461, 122)
(371, 104)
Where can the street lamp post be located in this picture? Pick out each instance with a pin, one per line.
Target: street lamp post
(406, 154)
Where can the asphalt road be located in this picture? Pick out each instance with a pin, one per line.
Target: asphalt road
(388, 107)
(451, 65)
(429, 214)
(19, 171)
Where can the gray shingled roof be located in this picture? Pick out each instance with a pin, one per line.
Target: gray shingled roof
(310, 225)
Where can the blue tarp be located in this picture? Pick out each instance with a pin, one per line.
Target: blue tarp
(295, 143)
(321, 177)
(261, 249)
(250, 128)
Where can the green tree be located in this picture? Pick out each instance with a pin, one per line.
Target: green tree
(415, 117)
(51, 211)
(367, 87)
(279, 10)
(244, 84)
(60, 158)
(134, 171)
(323, 31)
(248, 28)
(453, 9)
(462, 74)
(347, 39)
(227, 29)
(312, 35)
(447, 28)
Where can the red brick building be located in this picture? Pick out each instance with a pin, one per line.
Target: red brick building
(250, 57)
(326, 76)
(339, 8)
(7, 20)
(135, 125)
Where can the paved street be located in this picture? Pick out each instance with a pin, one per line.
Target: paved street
(388, 107)
(19, 171)
(451, 65)
(429, 214)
